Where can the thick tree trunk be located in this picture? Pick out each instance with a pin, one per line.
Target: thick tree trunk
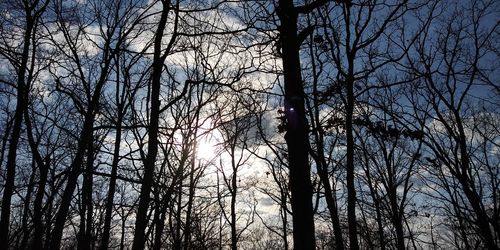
(49, 205)
(297, 130)
(349, 85)
(284, 220)
(396, 216)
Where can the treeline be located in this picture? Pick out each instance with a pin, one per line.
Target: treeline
(253, 124)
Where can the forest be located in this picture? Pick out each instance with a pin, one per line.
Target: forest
(250, 124)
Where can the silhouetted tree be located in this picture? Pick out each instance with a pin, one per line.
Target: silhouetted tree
(26, 15)
(446, 103)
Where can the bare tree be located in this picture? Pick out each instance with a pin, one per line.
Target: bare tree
(159, 124)
(236, 125)
(126, 88)
(451, 77)
(73, 30)
(29, 13)
(296, 123)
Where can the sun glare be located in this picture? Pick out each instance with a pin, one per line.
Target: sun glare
(206, 149)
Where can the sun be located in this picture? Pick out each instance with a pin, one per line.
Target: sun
(208, 141)
(206, 149)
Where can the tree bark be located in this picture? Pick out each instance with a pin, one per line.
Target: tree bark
(297, 130)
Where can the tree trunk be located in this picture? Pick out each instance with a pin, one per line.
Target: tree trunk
(482, 219)
(112, 182)
(297, 130)
(43, 168)
(234, 188)
(141, 221)
(332, 206)
(76, 166)
(192, 184)
(84, 235)
(5, 139)
(37, 212)
(159, 220)
(178, 218)
(351, 189)
(21, 105)
(26, 210)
